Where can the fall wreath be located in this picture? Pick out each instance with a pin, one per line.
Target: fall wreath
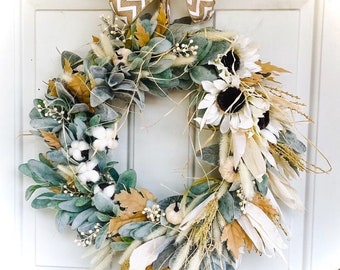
(233, 94)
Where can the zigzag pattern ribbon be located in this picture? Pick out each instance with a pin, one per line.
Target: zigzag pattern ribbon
(128, 9)
(200, 10)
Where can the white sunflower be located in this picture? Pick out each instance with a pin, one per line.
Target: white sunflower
(238, 62)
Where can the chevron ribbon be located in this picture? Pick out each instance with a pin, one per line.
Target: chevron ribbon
(199, 10)
(128, 10)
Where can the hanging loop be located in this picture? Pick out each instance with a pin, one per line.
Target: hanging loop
(199, 10)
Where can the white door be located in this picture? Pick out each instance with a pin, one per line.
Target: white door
(284, 32)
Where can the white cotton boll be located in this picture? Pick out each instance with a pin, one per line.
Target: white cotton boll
(99, 132)
(122, 56)
(99, 145)
(89, 176)
(86, 172)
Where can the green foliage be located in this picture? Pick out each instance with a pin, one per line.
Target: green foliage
(126, 180)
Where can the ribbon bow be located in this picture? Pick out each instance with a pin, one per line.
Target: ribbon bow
(199, 10)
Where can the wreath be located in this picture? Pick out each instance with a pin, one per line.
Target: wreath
(255, 152)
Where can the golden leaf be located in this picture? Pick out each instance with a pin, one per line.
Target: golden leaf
(125, 265)
(162, 21)
(141, 35)
(52, 90)
(253, 80)
(67, 66)
(56, 190)
(51, 139)
(125, 217)
(95, 39)
(269, 68)
(235, 237)
(265, 205)
(135, 201)
(78, 87)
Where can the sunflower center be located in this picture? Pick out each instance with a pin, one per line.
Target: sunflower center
(231, 100)
(231, 61)
(263, 121)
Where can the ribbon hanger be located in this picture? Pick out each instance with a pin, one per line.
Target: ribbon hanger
(199, 10)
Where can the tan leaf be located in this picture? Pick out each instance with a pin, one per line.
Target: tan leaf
(234, 236)
(253, 80)
(125, 217)
(125, 265)
(269, 68)
(52, 90)
(95, 39)
(67, 66)
(249, 244)
(141, 35)
(78, 87)
(51, 139)
(265, 205)
(162, 21)
(134, 201)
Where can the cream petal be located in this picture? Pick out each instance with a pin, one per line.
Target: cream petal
(239, 145)
(270, 137)
(207, 101)
(220, 85)
(225, 125)
(209, 87)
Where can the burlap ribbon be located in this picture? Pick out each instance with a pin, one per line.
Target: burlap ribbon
(199, 10)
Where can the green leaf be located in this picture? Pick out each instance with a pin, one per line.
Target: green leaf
(81, 201)
(42, 201)
(103, 217)
(159, 45)
(210, 154)
(202, 73)
(217, 47)
(106, 113)
(115, 78)
(119, 246)
(226, 207)
(99, 95)
(30, 190)
(95, 120)
(102, 203)
(101, 236)
(263, 185)
(126, 180)
(143, 231)
(160, 66)
(82, 217)
(71, 206)
(292, 141)
(62, 219)
(79, 107)
(73, 59)
(41, 173)
(201, 188)
(127, 229)
(63, 93)
(44, 123)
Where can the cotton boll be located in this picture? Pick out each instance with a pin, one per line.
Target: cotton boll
(108, 189)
